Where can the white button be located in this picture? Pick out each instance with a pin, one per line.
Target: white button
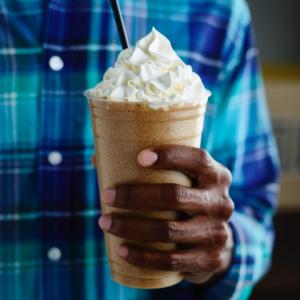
(56, 63)
(54, 254)
(55, 158)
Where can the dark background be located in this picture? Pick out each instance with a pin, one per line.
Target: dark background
(277, 26)
(283, 280)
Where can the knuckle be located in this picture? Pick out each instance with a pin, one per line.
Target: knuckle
(201, 156)
(173, 262)
(213, 172)
(199, 261)
(219, 174)
(172, 229)
(216, 173)
(220, 234)
(204, 153)
(204, 156)
(228, 207)
(215, 261)
(180, 194)
(205, 197)
(226, 176)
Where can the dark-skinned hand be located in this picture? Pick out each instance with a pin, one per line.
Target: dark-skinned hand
(203, 236)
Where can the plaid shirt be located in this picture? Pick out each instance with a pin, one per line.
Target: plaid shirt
(50, 51)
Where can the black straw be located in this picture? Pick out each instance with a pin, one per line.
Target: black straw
(120, 23)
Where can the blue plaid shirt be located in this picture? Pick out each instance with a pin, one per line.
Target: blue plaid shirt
(50, 51)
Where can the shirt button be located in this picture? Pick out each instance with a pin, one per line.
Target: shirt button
(54, 254)
(54, 158)
(56, 63)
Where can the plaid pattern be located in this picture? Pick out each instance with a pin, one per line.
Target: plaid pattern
(50, 244)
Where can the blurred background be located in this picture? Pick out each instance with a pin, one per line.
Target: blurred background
(277, 27)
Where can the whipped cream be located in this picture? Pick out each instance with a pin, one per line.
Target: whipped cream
(153, 73)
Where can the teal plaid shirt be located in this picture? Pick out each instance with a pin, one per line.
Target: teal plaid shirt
(51, 51)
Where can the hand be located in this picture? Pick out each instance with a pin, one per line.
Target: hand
(204, 237)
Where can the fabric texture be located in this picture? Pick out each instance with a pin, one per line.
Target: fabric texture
(50, 52)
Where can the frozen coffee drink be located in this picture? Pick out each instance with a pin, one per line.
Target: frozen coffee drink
(149, 98)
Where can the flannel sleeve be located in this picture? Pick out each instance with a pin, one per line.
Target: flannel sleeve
(250, 153)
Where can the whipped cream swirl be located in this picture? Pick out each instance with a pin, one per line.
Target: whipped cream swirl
(151, 72)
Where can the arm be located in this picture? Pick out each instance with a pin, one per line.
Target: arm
(251, 157)
(250, 153)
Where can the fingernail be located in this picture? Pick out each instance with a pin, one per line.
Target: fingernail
(108, 196)
(123, 251)
(147, 158)
(105, 222)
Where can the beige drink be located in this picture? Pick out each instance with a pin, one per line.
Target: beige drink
(121, 131)
(149, 98)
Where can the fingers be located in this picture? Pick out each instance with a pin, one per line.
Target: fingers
(197, 230)
(190, 261)
(149, 197)
(199, 277)
(193, 161)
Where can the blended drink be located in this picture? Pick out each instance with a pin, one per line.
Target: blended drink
(149, 98)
